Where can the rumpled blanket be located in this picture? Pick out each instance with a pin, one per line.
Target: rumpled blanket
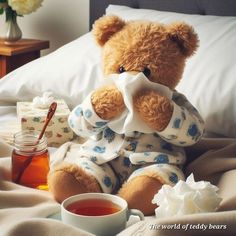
(25, 211)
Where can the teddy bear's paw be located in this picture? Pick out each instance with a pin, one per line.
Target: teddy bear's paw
(108, 102)
(139, 192)
(155, 110)
(69, 179)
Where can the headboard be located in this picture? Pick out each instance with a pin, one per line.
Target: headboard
(202, 7)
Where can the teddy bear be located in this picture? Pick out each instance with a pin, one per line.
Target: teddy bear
(137, 125)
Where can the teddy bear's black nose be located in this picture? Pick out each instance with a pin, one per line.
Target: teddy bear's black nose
(146, 72)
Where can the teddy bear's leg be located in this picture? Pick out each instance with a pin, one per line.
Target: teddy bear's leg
(132, 191)
(139, 193)
(145, 182)
(68, 179)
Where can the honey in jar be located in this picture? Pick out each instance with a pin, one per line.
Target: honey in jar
(30, 160)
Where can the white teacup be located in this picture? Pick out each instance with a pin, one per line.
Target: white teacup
(100, 225)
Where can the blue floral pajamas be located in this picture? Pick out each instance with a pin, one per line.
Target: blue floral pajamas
(113, 158)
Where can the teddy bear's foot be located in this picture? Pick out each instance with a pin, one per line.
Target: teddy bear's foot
(69, 179)
(139, 192)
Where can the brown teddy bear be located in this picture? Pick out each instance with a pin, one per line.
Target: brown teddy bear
(137, 125)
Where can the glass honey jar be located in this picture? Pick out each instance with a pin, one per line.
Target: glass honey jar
(30, 160)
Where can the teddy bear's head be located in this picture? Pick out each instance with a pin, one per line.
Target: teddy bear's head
(157, 50)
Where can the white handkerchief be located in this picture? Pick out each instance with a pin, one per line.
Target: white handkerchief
(129, 84)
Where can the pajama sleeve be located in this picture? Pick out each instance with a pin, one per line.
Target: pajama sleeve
(186, 125)
(84, 121)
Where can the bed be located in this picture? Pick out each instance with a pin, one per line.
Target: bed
(25, 211)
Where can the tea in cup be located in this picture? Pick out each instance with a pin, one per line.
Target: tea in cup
(98, 213)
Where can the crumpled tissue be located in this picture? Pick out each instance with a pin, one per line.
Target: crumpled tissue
(43, 102)
(186, 198)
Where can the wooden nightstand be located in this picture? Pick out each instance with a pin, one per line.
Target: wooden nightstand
(19, 53)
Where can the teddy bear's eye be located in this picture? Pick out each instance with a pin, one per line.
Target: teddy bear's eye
(121, 69)
(146, 72)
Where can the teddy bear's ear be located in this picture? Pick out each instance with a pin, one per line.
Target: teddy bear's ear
(184, 36)
(105, 27)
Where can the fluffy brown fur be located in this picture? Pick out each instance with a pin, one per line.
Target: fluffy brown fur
(139, 193)
(108, 102)
(69, 179)
(154, 109)
(136, 46)
(161, 48)
(106, 27)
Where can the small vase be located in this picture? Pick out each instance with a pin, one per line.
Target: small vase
(11, 32)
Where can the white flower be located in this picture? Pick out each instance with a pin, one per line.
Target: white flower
(186, 198)
(23, 7)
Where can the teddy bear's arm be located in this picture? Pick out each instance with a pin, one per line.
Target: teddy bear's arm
(155, 110)
(186, 125)
(107, 102)
(84, 121)
(176, 121)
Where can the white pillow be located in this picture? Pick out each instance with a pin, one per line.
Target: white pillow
(70, 73)
(209, 80)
